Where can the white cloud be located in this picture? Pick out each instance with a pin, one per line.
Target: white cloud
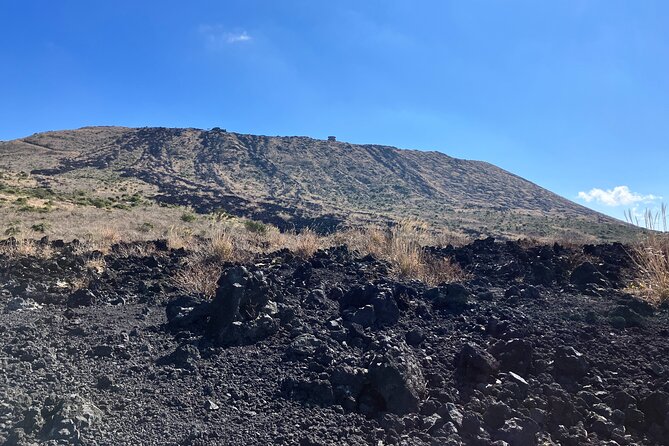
(217, 36)
(240, 37)
(618, 196)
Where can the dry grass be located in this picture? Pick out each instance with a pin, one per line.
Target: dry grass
(79, 283)
(303, 244)
(223, 247)
(205, 262)
(26, 248)
(198, 276)
(179, 238)
(213, 241)
(651, 257)
(402, 246)
(97, 264)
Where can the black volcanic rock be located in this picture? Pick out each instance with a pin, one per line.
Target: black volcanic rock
(587, 274)
(171, 368)
(396, 377)
(475, 364)
(237, 314)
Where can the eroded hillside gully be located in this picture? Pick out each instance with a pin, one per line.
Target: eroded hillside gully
(541, 345)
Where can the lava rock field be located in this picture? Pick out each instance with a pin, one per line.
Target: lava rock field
(540, 345)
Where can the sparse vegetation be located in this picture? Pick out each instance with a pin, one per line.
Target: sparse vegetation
(199, 278)
(26, 248)
(651, 256)
(402, 246)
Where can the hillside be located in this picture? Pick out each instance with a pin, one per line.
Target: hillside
(299, 181)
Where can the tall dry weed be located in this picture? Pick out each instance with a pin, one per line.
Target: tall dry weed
(651, 257)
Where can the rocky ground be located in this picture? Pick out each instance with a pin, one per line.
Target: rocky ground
(539, 346)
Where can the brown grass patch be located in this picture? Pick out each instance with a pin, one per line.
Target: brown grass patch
(198, 276)
(26, 248)
(402, 246)
(651, 257)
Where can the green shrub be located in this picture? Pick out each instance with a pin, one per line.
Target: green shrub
(99, 202)
(40, 227)
(255, 227)
(188, 217)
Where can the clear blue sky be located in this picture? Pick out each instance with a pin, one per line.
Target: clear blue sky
(570, 94)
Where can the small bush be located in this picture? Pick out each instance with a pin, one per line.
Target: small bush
(198, 278)
(39, 227)
(99, 202)
(12, 230)
(177, 239)
(188, 217)
(255, 227)
(146, 227)
(222, 248)
(307, 243)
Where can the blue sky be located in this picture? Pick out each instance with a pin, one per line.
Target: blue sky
(570, 94)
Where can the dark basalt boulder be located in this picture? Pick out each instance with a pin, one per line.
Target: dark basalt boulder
(568, 362)
(656, 407)
(184, 356)
(239, 313)
(514, 355)
(187, 311)
(587, 275)
(396, 377)
(81, 298)
(70, 416)
(624, 317)
(518, 431)
(475, 364)
(370, 305)
(453, 297)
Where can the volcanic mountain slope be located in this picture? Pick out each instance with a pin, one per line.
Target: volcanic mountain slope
(300, 181)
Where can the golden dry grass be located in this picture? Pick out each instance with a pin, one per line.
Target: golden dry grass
(213, 241)
(26, 248)
(198, 276)
(651, 257)
(402, 246)
(97, 264)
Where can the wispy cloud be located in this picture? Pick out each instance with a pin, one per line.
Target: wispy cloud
(618, 196)
(217, 36)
